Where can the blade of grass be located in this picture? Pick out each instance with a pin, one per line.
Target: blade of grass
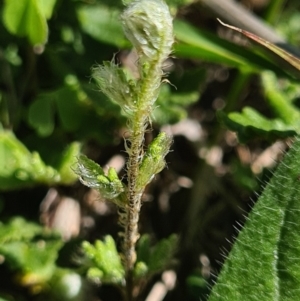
(284, 55)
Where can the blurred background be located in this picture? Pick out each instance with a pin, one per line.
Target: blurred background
(231, 107)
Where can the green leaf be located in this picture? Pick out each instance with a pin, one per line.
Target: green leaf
(67, 160)
(154, 159)
(280, 94)
(81, 110)
(106, 263)
(47, 7)
(41, 114)
(92, 175)
(18, 165)
(152, 260)
(196, 43)
(143, 255)
(178, 2)
(34, 261)
(19, 229)
(171, 107)
(249, 123)
(289, 27)
(264, 263)
(103, 24)
(29, 250)
(69, 101)
(113, 82)
(205, 46)
(21, 168)
(26, 18)
(286, 56)
(143, 248)
(162, 254)
(140, 270)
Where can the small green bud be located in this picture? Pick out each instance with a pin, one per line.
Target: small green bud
(103, 180)
(107, 266)
(114, 83)
(140, 269)
(95, 274)
(112, 174)
(88, 249)
(154, 159)
(160, 145)
(148, 26)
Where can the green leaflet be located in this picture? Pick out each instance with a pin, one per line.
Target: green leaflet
(113, 82)
(92, 175)
(18, 229)
(41, 115)
(250, 123)
(30, 250)
(199, 44)
(154, 259)
(162, 254)
(101, 22)
(281, 94)
(154, 159)
(28, 18)
(21, 168)
(171, 107)
(264, 263)
(74, 108)
(105, 261)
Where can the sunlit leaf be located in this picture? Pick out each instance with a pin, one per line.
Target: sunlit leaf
(264, 262)
(67, 160)
(47, 7)
(92, 175)
(26, 18)
(280, 95)
(32, 259)
(106, 263)
(20, 168)
(249, 123)
(103, 24)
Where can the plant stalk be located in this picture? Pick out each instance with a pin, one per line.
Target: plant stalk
(134, 200)
(134, 195)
